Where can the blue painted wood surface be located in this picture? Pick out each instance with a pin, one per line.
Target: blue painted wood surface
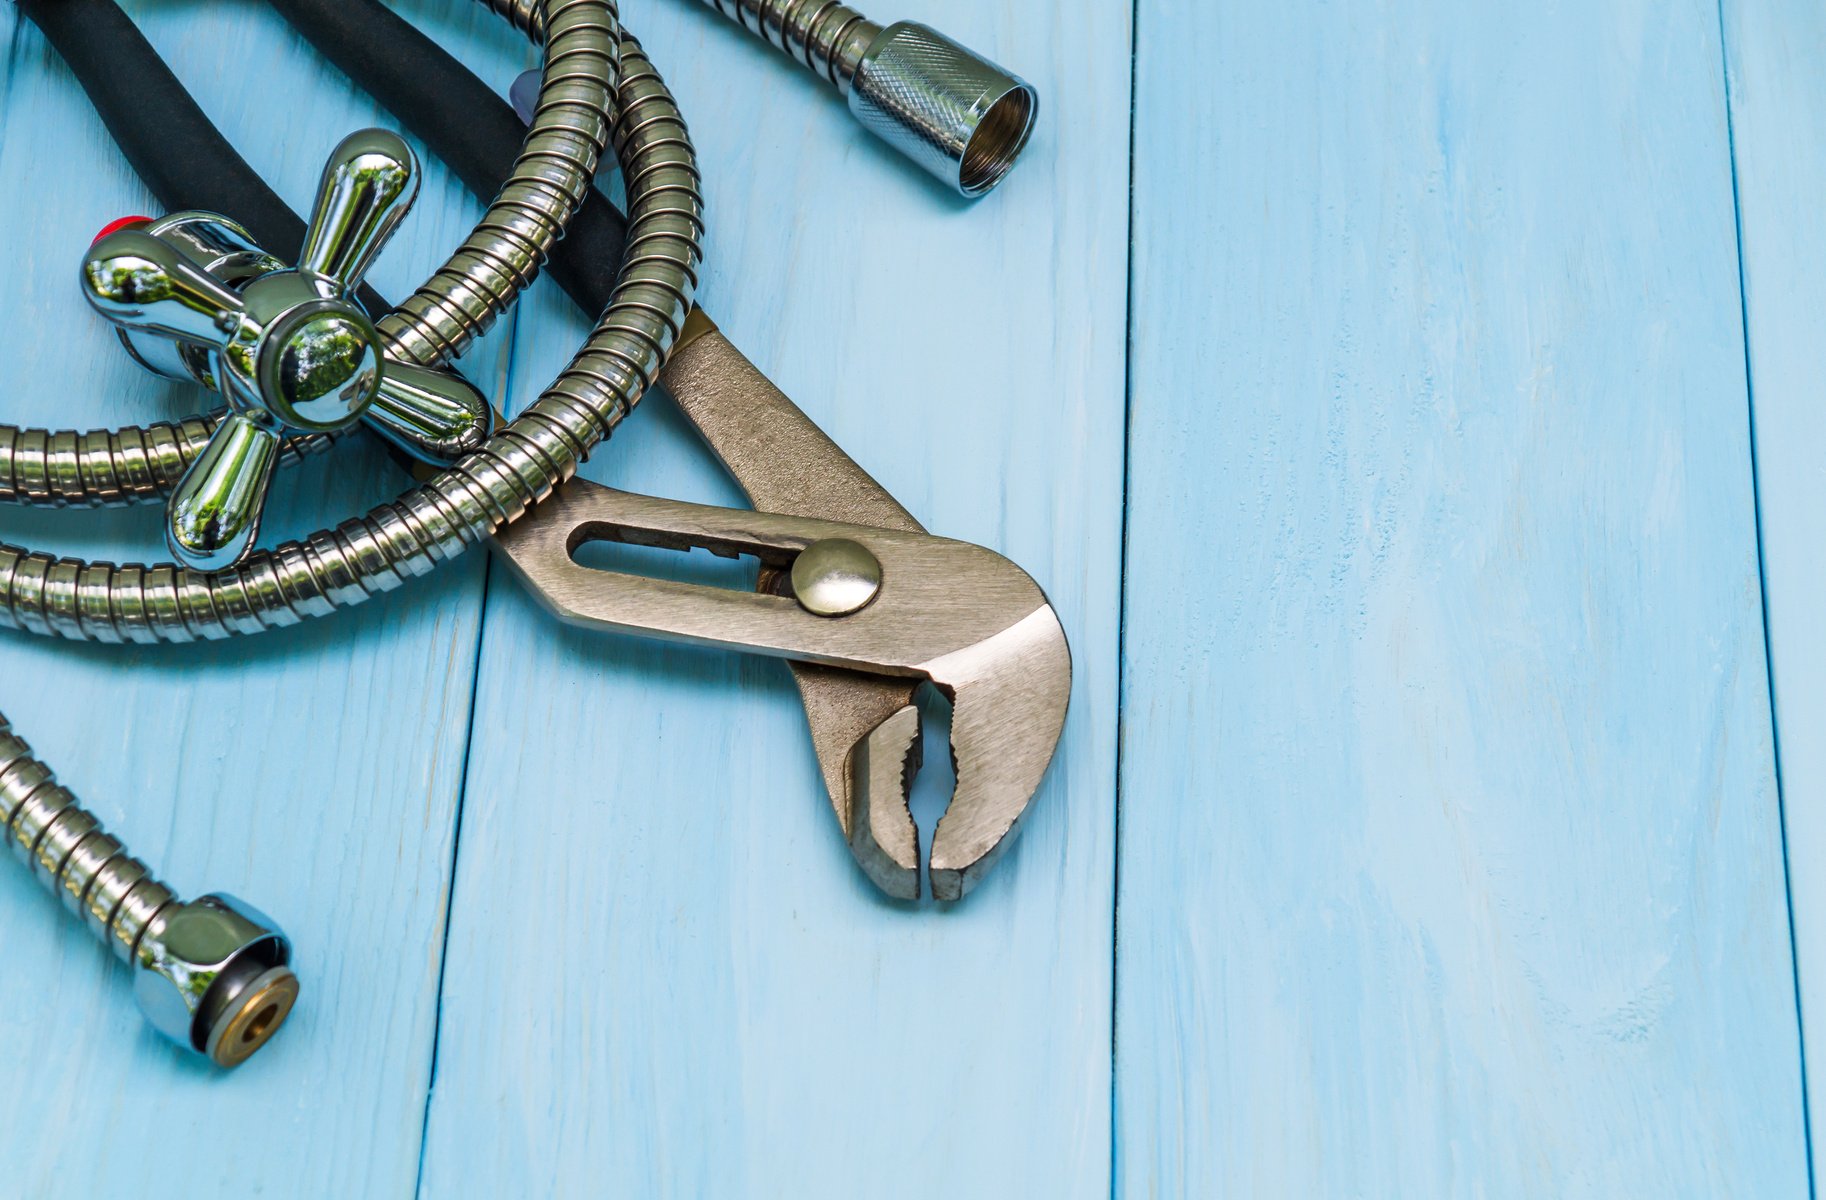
(1451, 852)
(1778, 123)
(1388, 454)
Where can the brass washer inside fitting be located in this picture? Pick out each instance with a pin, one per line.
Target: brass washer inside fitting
(260, 1011)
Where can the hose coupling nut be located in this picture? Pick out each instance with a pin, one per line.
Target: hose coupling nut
(214, 976)
(949, 109)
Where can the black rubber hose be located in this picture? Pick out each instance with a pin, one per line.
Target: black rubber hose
(166, 137)
(460, 118)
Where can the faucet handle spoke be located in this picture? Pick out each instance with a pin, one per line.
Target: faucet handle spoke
(368, 186)
(144, 284)
(214, 515)
(436, 416)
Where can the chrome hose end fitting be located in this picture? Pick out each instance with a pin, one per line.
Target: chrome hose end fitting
(946, 107)
(213, 975)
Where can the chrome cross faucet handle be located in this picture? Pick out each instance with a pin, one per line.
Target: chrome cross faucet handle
(291, 348)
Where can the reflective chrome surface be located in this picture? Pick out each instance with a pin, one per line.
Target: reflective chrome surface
(435, 416)
(213, 516)
(144, 285)
(825, 37)
(959, 116)
(319, 367)
(290, 349)
(367, 189)
(599, 86)
(212, 975)
(223, 249)
(952, 111)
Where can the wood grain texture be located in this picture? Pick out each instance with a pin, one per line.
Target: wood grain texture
(1451, 860)
(313, 772)
(1778, 123)
(1451, 849)
(666, 976)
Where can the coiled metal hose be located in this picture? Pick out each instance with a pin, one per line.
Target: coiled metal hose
(955, 113)
(57, 468)
(597, 89)
(825, 37)
(71, 854)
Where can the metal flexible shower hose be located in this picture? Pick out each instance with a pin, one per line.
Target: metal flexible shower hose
(827, 38)
(67, 468)
(597, 89)
(922, 93)
(110, 467)
(115, 893)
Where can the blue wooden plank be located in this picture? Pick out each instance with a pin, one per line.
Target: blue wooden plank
(313, 772)
(1451, 862)
(666, 977)
(1778, 125)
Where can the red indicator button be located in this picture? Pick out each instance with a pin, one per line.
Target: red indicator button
(117, 226)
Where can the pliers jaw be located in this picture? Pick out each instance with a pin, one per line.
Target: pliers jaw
(1009, 696)
(954, 615)
(1008, 702)
(867, 738)
(948, 613)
